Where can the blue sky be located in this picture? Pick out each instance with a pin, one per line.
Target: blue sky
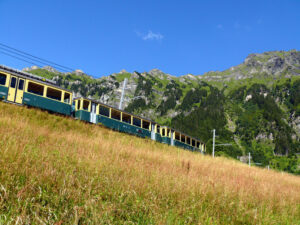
(178, 37)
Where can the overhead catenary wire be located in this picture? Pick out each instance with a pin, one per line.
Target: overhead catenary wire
(26, 57)
(30, 62)
(35, 58)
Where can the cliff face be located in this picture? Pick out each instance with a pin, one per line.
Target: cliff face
(255, 106)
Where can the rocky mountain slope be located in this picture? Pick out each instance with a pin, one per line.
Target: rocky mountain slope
(254, 106)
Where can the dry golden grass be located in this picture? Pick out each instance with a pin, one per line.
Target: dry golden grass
(58, 170)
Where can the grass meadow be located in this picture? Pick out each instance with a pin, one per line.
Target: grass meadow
(57, 170)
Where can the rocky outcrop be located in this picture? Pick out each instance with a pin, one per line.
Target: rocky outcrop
(50, 69)
(78, 72)
(276, 64)
(28, 69)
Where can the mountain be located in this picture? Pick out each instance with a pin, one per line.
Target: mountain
(254, 106)
(56, 170)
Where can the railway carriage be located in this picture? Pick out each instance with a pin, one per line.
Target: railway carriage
(95, 112)
(98, 113)
(173, 137)
(27, 89)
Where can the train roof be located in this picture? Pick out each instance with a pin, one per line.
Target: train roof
(96, 101)
(30, 76)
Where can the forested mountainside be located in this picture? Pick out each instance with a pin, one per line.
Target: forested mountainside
(254, 106)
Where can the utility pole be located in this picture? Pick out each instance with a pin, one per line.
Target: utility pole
(213, 150)
(214, 145)
(249, 159)
(123, 93)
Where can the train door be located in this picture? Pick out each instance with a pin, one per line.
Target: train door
(20, 91)
(93, 113)
(12, 89)
(16, 90)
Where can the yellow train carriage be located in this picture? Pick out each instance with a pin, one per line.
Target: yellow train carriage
(27, 89)
(95, 112)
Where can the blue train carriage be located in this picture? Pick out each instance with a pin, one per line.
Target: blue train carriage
(176, 138)
(27, 89)
(98, 113)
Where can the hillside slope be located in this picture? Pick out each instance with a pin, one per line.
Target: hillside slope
(254, 106)
(58, 170)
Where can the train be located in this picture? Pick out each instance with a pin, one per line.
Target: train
(23, 88)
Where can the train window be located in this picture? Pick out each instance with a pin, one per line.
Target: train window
(198, 144)
(2, 79)
(67, 98)
(13, 82)
(126, 118)
(193, 142)
(115, 114)
(168, 132)
(21, 84)
(35, 88)
(53, 94)
(104, 111)
(86, 105)
(79, 104)
(158, 129)
(137, 122)
(177, 136)
(146, 124)
(188, 140)
(183, 138)
(163, 133)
